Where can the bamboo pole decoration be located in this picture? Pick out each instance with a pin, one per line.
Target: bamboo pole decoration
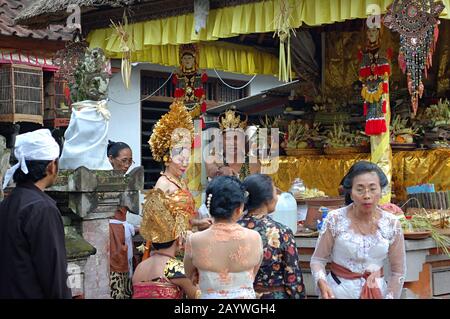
(121, 30)
(283, 28)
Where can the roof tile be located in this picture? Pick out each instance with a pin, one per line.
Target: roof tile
(9, 9)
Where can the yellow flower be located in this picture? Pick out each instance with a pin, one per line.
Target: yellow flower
(273, 237)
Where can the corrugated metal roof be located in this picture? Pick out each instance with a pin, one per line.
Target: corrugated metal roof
(263, 102)
(9, 9)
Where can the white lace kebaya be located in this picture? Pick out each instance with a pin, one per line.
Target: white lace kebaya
(340, 242)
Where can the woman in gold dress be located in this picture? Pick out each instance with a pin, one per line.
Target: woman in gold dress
(169, 208)
(162, 276)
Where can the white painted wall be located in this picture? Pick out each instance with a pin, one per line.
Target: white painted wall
(125, 122)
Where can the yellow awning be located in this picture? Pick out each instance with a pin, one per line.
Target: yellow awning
(245, 19)
(156, 40)
(219, 55)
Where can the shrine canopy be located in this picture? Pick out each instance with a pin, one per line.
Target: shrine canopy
(248, 18)
(157, 39)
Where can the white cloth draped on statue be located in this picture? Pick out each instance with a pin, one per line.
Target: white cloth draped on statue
(86, 139)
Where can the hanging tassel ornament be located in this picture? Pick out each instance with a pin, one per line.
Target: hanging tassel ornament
(417, 22)
(283, 29)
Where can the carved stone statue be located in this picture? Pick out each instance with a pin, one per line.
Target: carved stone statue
(91, 77)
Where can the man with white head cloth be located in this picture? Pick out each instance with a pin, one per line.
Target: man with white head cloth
(33, 255)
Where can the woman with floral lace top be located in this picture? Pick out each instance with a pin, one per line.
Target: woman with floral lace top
(357, 239)
(226, 256)
(279, 276)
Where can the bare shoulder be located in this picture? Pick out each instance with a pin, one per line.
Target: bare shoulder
(163, 183)
(139, 273)
(199, 236)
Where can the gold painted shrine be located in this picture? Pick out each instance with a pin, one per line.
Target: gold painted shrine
(325, 172)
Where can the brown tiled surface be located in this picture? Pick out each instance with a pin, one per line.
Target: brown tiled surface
(9, 9)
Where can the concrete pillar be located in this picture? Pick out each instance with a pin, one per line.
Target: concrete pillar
(96, 232)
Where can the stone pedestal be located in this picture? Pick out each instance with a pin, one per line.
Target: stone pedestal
(89, 199)
(96, 232)
(78, 252)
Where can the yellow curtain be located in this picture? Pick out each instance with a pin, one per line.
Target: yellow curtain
(220, 55)
(156, 40)
(332, 169)
(420, 167)
(245, 19)
(408, 169)
(341, 65)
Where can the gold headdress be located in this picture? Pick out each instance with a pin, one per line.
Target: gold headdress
(164, 219)
(232, 120)
(188, 49)
(170, 131)
(191, 49)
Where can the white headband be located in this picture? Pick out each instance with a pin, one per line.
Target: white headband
(38, 145)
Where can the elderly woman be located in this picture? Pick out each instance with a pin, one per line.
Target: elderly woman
(226, 256)
(120, 156)
(357, 239)
(120, 231)
(279, 276)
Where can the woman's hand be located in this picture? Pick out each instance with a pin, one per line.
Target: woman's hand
(325, 290)
(203, 223)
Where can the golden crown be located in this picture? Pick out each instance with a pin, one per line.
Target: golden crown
(188, 49)
(170, 131)
(232, 119)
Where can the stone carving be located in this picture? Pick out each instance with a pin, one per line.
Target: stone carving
(91, 77)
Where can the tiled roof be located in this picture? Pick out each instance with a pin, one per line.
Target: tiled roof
(9, 9)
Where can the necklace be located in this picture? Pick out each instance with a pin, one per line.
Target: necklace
(179, 183)
(371, 224)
